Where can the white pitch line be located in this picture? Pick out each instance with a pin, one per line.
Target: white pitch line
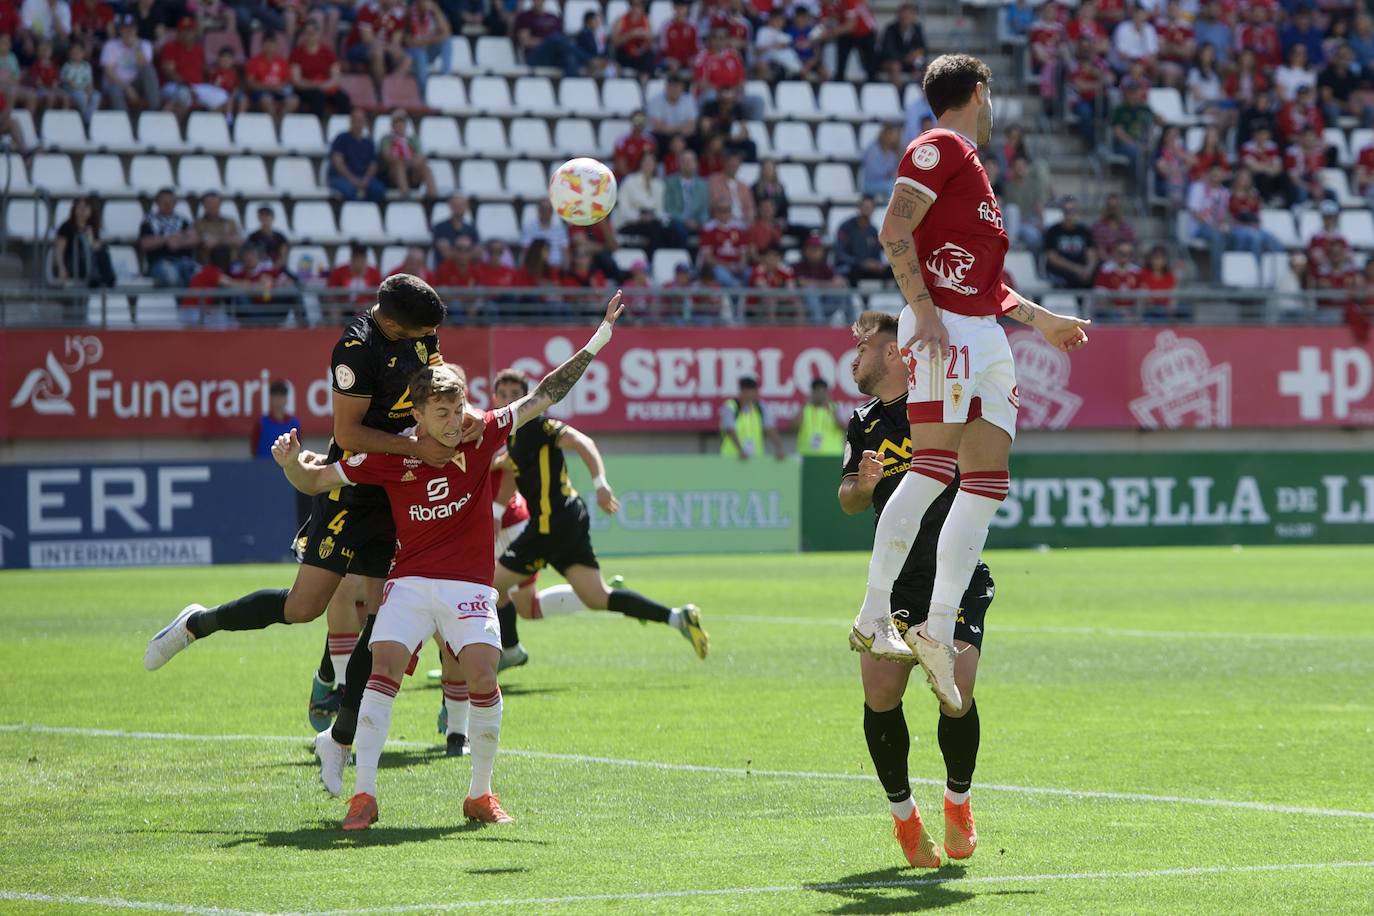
(952, 881)
(725, 771)
(119, 903)
(1065, 631)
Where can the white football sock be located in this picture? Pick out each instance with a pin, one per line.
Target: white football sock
(559, 601)
(961, 543)
(484, 720)
(374, 720)
(903, 809)
(340, 650)
(897, 528)
(956, 798)
(456, 704)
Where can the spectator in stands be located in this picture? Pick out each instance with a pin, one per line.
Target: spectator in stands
(902, 50)
(765, 230)
(724, 249)
(1173, 167)
(458, 225)
(1306, 158)
(1071, 258)
(1177, 46)
(535, 270)
(1300, 114)
(1260, 111)
(1025, 192)
(220, 235)
(814, 275)
(679, 42)
(377, 40)
(79, 254)
(1340, 91)
(1210, 29)
(772, 274)
(415, 264)
(726, 187)
(745, 423)
(686, 197)
(1088, 78)
(225, 75)
(1260, 156)
(1246, 81)
(593, 42)
(858, 253)
(542, 224)
(267, 79)
(50, 19)
(1157, 275)
(1336, 273)
(731, 114)
(403, 162)
(630, 148)
(456, 272)
(768, 187)
(878, 168)
(78, 82)
(774, 56)
(1135, 39)
(1118, 272)
(718, 67)
(540, 38)
(268, 240)
(184, 83)
(1245, 204)
(263, 12)
(427, 35)
(1206, 93)
(1362, 42)
(1213, 152)
(672, 112)
(353, 162)
(167, 240)
(42, 77)
(126, 62)
(1132, 129)
(639, 209)
(807, 38)
(1295, 74)
(315, 74)
(359, 278)
(13, 92)
(1084, 26)
(92, 22)
(632, 40)
(1112, 228)
(850, 24)
(268, 295)
(1303, 30)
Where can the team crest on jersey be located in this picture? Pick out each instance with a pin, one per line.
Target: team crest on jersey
(422, 351)
(326, 547)
(949, 264)
(344, 377)
(926, 156)
(956, 393)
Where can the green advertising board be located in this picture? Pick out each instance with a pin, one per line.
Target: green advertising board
(1112, 499)
(695, 504)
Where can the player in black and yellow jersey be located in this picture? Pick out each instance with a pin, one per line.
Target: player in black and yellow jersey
(877, 454)
(559, 532)
(350, 531)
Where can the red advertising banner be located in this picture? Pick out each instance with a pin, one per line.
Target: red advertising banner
(113, 384)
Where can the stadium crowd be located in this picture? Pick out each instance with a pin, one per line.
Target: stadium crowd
(1264, 80)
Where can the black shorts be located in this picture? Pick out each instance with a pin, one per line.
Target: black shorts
(358, 540)
(567, 543)
(911, 605)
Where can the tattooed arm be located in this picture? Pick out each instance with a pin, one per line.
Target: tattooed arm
(905, 211)
(556, 385)
(1064, 331)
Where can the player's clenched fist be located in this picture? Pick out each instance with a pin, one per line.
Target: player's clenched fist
(287, 449)
(870, 468)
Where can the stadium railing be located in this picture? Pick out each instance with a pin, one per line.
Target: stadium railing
(310, 306)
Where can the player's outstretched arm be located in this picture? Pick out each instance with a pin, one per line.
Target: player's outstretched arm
(309, 478)
(555, 386)
(585, 447)
(905, 211)
(1064, 331)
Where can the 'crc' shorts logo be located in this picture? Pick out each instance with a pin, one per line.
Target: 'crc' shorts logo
(437, 489)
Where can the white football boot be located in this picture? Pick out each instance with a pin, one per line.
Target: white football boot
(880, 639)
(333, 758)
(938, 661)
(170, 640)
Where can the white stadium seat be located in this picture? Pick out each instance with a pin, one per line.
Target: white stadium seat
(579, 95)
(155, 310)
(103, 174)
(481, 178)
(308, 262)
(447, 94)
(1358, 228)
(796, 180)
(626, 258)
(159, 130)
(63, 130)
(246, 175)
(1338, 182)
(14, 173)
(835, 182)
(530, 137)
(1335, 137)
(301, 133)
(839, 101)
(534, 95)
(110, 310)
(837, 141)
(490, 95)
(527, 179)
(759, 89)
(621, 96)
(1240, 269)
(150, 173)
(209, 132)
(199, 174)
(337, 124)
(660, 11)
(405, 221)
(1168, 104)
(496, 55)
(793, 140)
(608, 132)
(748, 173)
(835, 217)
(1280, 224)
(795, 99)
(296, 176)
(110, 131)
(486, 136)
(439, 137)
(497, 221)
(574, 136)
(53, 172)
(392, 257)
(314, 222)
(362, 220)
(806, 215)
(665, 263)
(442, 170)
(120, 219)
(880, 102)
(256, 132)
(124, 260)
(758, 132)
(27, 219)
(1021, 265)
(462, 55)
(1360, 138)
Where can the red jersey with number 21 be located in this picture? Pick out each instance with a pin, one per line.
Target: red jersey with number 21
(961, 242)
(444, 528)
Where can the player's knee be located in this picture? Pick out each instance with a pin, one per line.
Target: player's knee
(389, 659)
(483, 680)
(302, 607)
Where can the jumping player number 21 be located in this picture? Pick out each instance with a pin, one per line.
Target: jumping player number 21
(954, 361)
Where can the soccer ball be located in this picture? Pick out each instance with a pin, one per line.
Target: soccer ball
(582, 191)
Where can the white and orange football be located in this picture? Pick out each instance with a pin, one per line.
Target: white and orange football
(582, 191)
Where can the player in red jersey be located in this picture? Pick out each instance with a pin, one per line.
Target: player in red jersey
(441, 578)
(944, 237)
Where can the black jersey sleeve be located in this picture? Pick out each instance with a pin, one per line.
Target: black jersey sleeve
(431, 343)
(353, 368)
(552, 428)
(853, 446)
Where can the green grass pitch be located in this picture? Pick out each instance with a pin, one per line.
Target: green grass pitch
(1164, 731)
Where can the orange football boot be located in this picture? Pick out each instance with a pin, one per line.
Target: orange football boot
(960, 836)
(486, 809)
(362, 812)
(917, 844)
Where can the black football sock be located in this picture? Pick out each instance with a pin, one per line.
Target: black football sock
(959, 745)
(633, 604)
(355, 683)
(257, 611)
(326, 672)
(510, 630)
(889, 742)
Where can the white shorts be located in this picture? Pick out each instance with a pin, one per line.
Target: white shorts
(506, 536)
(975, 377)
(414, 609)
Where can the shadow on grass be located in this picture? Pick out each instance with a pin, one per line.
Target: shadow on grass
(326, 834)
(902, 890)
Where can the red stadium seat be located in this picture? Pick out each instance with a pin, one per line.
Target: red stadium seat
(400, 91)
(360, 90)
(214, 41)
